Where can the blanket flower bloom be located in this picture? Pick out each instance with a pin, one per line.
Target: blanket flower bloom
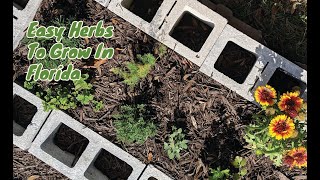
(281, 127)
(296, 157)
(290, 103)
(265, 95)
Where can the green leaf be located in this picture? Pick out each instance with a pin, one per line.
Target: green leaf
(243, 172)
(171, 155)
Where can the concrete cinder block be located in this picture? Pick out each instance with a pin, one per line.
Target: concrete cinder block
(275, 61)
(119, 7)
(44, 148)
(23, 17)
(151, 171)
(17, 32)
(24, 141)
(104, 3)
(244, 41)
(266, 64)
(202, 13)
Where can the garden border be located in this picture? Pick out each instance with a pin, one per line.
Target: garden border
(24, 17)
(267, 60)
(255, 78)
(24, 141)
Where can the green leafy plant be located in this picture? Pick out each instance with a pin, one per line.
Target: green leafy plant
(67, 96)
(240, 163)
(52, 63)
(176, 143)
(218, 174)
(160, 50)
(43, 42)
(29, 84)
(98, 105)
(135, 71)
(131, 125)
(259, 140)
(279, 126)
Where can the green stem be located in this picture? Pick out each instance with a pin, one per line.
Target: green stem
(259, 132)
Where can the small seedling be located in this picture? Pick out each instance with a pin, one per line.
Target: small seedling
(131, 125)
(98, 105)
(176, 143)
(218, 174)
(29, 84)
(160, 50)
(240, 163)
(135, 71)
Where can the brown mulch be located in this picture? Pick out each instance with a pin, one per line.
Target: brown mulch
(175, 92)
(26, 165)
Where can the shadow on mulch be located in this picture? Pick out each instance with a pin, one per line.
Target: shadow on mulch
(179, 121)
(222, 147)
(55, 9)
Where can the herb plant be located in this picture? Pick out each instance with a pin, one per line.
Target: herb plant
(98, 105)
(218, 174)
(131, 125)
(67, 96)
(161, 50)
(240, 163)
(135, 71)
(176, 143)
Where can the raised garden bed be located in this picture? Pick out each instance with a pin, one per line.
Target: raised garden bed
(174, 93)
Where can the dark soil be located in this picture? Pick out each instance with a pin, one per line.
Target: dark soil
(112, 167)
(235, 62)
(191, 32)
(146, 9)
(212, 116)
(23, 112)
(69, 140)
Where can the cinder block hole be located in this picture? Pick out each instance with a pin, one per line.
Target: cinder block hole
(191, 31)
(20, 4)
(152, 178)
(23, 112)
(146, 9)
(235, 62)
(15, 17)
(65, 144)
(283, 82)
(107, 166)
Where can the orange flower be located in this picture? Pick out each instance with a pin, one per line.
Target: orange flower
(281, 127)
(265, 95)
(296, 157)
(290, 103)
(289, 160)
